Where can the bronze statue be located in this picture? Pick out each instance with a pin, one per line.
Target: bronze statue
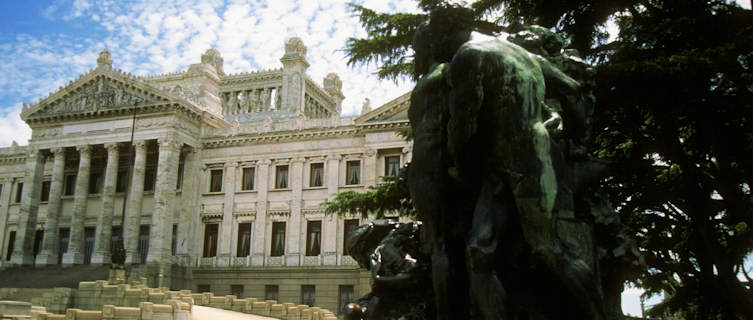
(514, 225)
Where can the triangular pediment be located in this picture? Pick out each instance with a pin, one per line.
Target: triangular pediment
(394, 111)
(99, 90)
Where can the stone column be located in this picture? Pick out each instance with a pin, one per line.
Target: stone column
(49, 254)
(75, 254)
(161, 230)
(296, 236)
(133, 207)
(226, 227)
(27, 217)
(104, 220)
(189, 214)
(329, 225)
(260, 246)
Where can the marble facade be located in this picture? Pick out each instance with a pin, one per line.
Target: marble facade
(224, 174)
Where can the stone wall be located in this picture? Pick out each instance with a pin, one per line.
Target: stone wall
(55, 300)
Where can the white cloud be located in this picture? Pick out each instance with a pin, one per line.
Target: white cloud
(12, 128)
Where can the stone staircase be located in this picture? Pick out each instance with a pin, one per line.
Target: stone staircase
(51, 276)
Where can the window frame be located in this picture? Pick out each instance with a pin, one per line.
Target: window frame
(308, 289)
(346, 231)
(281, 183)
(19, 192)
(244, 177)
(312, 174)
(277, 249)
(239, 252)
(216, 187)
(46, 187)
(353, 166)
(387, 159)
(313, 237)
(69, 189)
(208, 252)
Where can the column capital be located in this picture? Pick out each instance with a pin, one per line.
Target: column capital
(57, 151)
(407, 149)
(34, 152)
(369, 152)
(298, 160)
(189, 150)
(84, 149)
(333, 156)
(265, 162)
(112, 147)
(231, 164)
(141, 144)
(168, 142)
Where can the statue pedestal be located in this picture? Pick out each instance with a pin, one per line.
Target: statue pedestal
(117, 276)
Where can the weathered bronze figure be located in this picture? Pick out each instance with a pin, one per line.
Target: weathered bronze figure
(514, 225)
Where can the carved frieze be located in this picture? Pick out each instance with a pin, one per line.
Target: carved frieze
(102, 93)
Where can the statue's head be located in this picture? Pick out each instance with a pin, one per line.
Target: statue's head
(437, 40)
(450, 26)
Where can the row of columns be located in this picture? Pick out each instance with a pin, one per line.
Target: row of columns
(161, 223)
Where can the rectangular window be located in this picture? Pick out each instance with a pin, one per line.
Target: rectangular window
(70, 184)
(202, 288)
(353, 172)
(19, 191)
(45, 191)
(149, 179)
(271, 292)
(278, 239)
(179, 183)
(348, 227)
(63, 243)
(244, 240)
(11, 243)
(391, 166)
(89, 237)
(317, 175)
(345, 296)
(143, 246)
(122, 183)
(281, 177)
(38, 237)
(308, 294)
(115, 239)
(313, 238)
(95, 182)
(248, 179)
(215, 180)
(237, 290)
(210, 240)
(174, 242)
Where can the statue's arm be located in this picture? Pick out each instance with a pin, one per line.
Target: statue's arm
(467, 97)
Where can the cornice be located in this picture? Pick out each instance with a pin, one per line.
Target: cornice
(240, 79)
(281, 136)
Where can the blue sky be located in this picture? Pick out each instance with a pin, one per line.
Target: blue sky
(45, 44)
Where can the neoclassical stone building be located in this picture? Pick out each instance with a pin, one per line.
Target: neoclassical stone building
(213, 180)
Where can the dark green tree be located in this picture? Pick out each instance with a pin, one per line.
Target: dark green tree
(673, 117)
